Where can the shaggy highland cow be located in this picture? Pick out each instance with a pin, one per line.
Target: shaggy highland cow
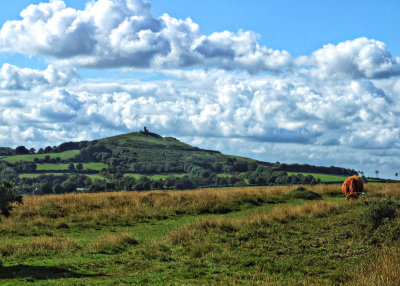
(353, 187)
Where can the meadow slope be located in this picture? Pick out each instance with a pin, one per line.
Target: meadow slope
(231, 236)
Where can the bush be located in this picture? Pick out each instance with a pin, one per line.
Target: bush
(7, 198)
(377, 211)
(304, 194)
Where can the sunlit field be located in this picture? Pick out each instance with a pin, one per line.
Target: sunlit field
(232, 236)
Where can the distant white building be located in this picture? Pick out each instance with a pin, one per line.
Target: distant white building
(81, 190)
(36, 191)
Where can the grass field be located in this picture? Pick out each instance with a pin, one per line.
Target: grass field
(61, 167)
(30, 157)
(235, 236)
(96, 177)
(51, 167)
(323, 177)
(35, 175)
(94, 166)
(154, 176)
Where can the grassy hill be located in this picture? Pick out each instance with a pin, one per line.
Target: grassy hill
(144, 161)
(232, 236)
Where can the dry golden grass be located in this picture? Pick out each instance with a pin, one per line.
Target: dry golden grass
(391, 191)
(189, 232)
(287, 213)
(128, 207)
(39, 246)
(335, 189)
(112, 242)
(381, 270)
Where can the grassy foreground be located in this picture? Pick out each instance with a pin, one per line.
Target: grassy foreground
(241, 236)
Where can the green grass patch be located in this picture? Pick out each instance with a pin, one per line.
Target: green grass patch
(50, 166)
(94, 166)
(30, 157)
(322, 177)
(94, 177)
(36, 175)
(154, 176)
(304, 194)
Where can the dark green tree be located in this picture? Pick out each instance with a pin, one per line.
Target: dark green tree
(79, 167)
(68, 186)
(170, 182)
(144, 183)
(48, 149)
(57, 189)
(183, 183)
(7, 198)
(71, 167)
(20, 150)
(8, 174)
(45, 187)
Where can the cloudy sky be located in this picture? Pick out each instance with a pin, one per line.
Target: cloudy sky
(314, 82)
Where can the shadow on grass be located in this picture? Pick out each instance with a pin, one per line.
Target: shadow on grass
(39, 272)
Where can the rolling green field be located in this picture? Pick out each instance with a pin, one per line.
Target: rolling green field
(154, 176)
(96, 177)
(235, 236)
(323, 177)
(36, 175)
(50, 166)
(30, 157)
(94, 166)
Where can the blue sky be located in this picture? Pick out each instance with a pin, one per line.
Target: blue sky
(298, 26)
(314, 82)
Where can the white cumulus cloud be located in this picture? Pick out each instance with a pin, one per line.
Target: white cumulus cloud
(124, 33)
(16, 78)
(358, 58)
(266, 113)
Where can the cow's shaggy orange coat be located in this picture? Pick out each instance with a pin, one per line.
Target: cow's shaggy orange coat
(352, 187)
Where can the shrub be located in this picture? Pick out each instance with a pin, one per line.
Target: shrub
(7, 198)
(303, 193)
(377, 211)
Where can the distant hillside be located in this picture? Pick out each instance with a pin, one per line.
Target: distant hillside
(142, 161)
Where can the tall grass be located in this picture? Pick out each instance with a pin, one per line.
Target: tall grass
(131, 206)
(287, 213)
(381, 270)
(43, 245)
(127, 207)
(243, 244)
(390, 191)
(281, 214)
(112, 243)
